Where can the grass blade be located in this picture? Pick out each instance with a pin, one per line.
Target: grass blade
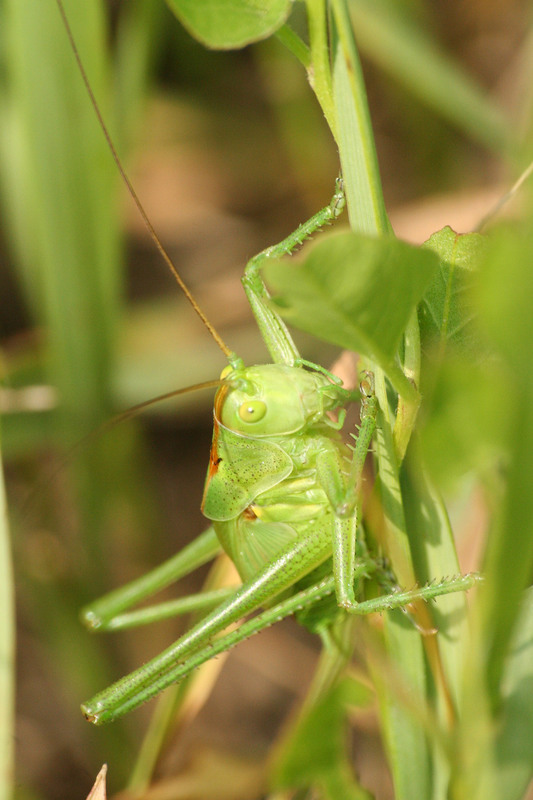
(412, 58)
(7, 653)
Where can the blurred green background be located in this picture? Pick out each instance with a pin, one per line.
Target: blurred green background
(228, 152)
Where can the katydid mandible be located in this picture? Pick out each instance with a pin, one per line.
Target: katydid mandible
(282, 493)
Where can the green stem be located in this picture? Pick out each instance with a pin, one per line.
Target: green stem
(366, 206)
(319, 72)
(295, 45)
(408, 406)
(402, 385)
(154, 739)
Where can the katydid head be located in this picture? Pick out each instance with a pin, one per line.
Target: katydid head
(272, 399)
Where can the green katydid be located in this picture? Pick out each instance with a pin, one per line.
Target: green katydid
(282, 493)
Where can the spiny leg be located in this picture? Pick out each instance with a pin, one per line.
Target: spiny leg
(99, 710)
(280, 574)
(180, 670)
(298, 602)
(349, 508)
(101, 613)
(347, 514)
(368, 415)
(404, 597)
(274, 331)
(192, 603)
(343, 492)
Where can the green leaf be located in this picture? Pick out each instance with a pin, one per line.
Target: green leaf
(514, 744)
(506, 295)
(457, 424)
(400, 675)
(357, 149)
(434, 556)
(354, 291)
(229, 24)
(445, 312)
(402, 672)
(64, 179)
(505, 299)
(315, 753)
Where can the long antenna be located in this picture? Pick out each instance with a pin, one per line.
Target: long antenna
(216, 336)
(105, 427)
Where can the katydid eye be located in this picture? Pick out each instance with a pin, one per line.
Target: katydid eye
(252, 411)
(225, 372)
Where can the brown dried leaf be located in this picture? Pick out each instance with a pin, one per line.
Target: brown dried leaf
(98, 792)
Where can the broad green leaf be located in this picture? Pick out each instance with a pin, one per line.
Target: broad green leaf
(462, 391)
(458, 429)
(229, 24)
(445, 312)
(354, 291)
